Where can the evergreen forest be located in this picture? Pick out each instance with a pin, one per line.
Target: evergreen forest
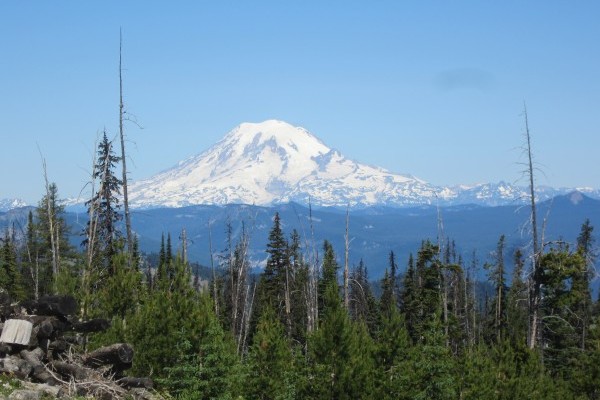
(310, 326)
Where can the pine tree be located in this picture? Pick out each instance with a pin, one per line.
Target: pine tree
(516, 304)
(498, 303)
(206, 367)
(392, 349)
(162, 313)
(10, 278)
(363, 305)
(30, 259)
(299, 296)
(273, 289)
(559, 330)
(104, 206)
(340, 355)
(329, 277)
(49, 216)
(430, 366)
(270, 361)
(409, 297)
(583, 306)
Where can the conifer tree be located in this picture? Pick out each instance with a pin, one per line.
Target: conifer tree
(363, 305)
(207, 368)
(498, 303)
(163, 312)
(299, 285)
(270, 361)
(329, 274)
(392, 349)
(30, 259)
(430, 366)
(386, 301)
(273, 289)
(340, 355)
(516, 304)
(105, 206)
(10, 278)
(560, 324)
(409, 297)
(583, 307)
(48, 248)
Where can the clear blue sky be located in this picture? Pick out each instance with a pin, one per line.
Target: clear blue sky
(430, 88)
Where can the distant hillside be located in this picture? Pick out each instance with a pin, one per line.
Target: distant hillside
(374, 231)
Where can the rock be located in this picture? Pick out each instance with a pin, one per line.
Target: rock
(53, 391)
(143, 394)
(25, 394)
(15, 366)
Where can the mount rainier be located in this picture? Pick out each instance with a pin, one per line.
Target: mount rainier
(274, 162)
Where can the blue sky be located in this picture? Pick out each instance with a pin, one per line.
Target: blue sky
(434, 89)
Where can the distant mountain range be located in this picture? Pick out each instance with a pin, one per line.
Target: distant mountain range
(274, 162)
(9, 204)
(374, 231)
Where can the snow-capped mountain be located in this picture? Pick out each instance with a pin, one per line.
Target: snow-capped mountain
(9, 204)
(274, 162)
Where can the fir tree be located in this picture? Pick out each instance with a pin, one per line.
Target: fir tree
(104, 207)
(50, 215)
(498, 304)
(340, 355)
(583, 306)
(10, 278)
(363, 305)
(516, 303)
(270, 361)
(273, 286)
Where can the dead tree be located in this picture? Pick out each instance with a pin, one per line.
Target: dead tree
(347, 250)
(54, 239)
(535, 286)
(212, 266)
(123, 158)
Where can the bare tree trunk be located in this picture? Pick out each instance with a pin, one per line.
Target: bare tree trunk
(91, 244)
(247, 319)
(51, 222)
(346, 253)
(184, 246)
(313, 309)
(288, 306)
(535, 287)
(123, 158)
(212, 266)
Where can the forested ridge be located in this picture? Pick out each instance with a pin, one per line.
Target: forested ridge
(309, 325)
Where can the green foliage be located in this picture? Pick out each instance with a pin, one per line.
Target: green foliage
(153, 328)
(341, 362)
(10, 278)
(363, 305)
(560, 324)
(270, 363)
(102, 233)
(517, 303)
(428, 338)
(430, 367)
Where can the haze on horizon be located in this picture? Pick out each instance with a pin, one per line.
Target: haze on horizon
(430, 89)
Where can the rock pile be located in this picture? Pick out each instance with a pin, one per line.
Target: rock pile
(39, 344)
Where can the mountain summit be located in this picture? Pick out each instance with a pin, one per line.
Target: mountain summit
(274, 162)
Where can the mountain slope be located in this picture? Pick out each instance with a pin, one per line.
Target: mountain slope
(10, 204)
(274, 162)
